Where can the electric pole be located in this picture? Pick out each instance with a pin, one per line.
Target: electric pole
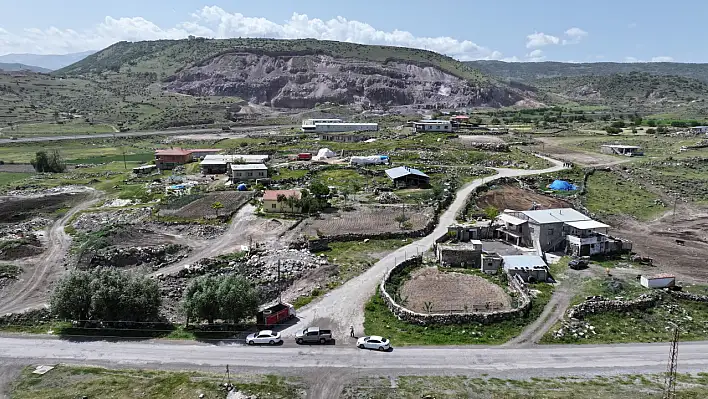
(125, 164)
(670, 379)
(280, 291)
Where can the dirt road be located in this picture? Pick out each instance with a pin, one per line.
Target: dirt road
(344, 306)
(33, 291)
(244, 228)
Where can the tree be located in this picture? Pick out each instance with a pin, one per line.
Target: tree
(651, 131)
(401, 219)
(495, 121)
(48, 163)
(492, 214)
(613, 130)
(619, 124)
(71, 299)
(231, 298)
(651, 123)
(216, 206)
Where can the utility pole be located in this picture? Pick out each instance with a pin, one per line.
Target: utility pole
(674, 216)
(670, 379)
(280, 291)
(125, 164)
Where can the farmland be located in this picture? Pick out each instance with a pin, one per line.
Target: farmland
(201, 207)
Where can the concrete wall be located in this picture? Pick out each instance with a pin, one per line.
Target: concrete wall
(460, 257)
(422, 319)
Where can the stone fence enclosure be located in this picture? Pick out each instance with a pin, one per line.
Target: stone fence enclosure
(523, 300)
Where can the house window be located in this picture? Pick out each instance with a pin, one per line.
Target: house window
(250, 174)
(550, 232)
(272, 206)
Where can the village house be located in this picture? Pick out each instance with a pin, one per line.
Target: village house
(699, 130)
(246, 172)
(173, 157)
(619, 149)
(465, 255)
(563, 229)
(271, 203)
(220, 164)
(404, 176)
(344, 137)
(336, 125)
(431, 125)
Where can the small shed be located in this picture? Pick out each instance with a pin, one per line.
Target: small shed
(491, 263)
(531, 268)
(658, 281)
(145, 169)
(403, 176)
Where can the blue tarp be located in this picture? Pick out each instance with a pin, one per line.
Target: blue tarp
(241, 187)
(562, 185)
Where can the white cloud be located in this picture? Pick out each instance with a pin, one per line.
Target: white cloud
(575, 35)
(632, 25)
(535, 56)
(215, 22)
(662, 58)
(540, 39)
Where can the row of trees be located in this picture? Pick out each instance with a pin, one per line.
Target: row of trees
(52, 162)
(113, 295)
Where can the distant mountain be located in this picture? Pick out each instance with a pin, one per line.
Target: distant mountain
(49, 62)
(7, 67)
(530, 71)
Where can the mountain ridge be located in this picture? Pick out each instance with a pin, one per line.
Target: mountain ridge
(15, 67)
(46, 61)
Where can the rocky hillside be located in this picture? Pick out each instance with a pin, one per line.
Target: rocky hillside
(301, 81)
(531, 71)
(637, 90)
(302, 73)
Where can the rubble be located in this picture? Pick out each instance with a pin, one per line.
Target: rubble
(387, 197)
(94, 221)
(19, 230)
(576, 328)
(154, 257)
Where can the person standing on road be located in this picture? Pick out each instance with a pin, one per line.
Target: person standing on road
(351, 331)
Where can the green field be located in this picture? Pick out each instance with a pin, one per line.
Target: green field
(69, 127)
(610, 194)
(10, 178)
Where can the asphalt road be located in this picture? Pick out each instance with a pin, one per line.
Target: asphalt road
(133, 134)
(540, 361)
(344, 306)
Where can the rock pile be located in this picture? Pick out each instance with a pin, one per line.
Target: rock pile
(94, 221)
(388, 198)
(19, 230)
(578, 329)
(154, 257)
(29, 318)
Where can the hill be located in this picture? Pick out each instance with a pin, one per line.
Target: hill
(531, 71)
(12, 67)
(301, 73)
(50, 61)
(634, 90)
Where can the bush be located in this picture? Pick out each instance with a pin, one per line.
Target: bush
(48, 163)
(651, 131)
(229, 298)
(106, 295)
(613, 130)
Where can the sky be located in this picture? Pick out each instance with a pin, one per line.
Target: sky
(521, 30)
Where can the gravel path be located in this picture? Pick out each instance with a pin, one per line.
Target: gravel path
(343, 307)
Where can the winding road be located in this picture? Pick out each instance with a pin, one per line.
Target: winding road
(344, 306)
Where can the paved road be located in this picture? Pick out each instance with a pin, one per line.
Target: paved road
(33, 292)
(343, 307)
(547, 360)
(134, 134)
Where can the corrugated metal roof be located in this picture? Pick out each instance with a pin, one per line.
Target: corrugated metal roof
(513, 220)
(401, 171)
(172, 151)
(587, 225)
(621, 146)
(523, 261)
(555, 215)
(660, 276)
(234, 158)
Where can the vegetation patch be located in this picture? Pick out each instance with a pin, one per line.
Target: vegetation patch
(609, 194)
(69, 382)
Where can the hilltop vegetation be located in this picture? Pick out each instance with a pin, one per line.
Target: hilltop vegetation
(531, 71)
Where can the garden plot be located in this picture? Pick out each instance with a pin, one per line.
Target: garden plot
(432, 291)
(201, 208)
(368, 220)
(510, 197)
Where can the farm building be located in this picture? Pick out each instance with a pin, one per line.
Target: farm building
(558, 229)
(271, 203)
(145, 169)
(530, 268)
(431, 125)
(337, 125)
(491, 263)
(171, 158)
(468, 255)
(344, 137)
(658, 281)
(370, 160)
(248, 171)
(219, 164)
(618, 149)
(404, 176)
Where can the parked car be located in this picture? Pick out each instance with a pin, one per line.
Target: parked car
(275, 314)
(313, 335)
(374, 342)
(264, 337)
(577, 264)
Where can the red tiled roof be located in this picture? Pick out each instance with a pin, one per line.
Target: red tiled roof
(172, 151)
(272, 195)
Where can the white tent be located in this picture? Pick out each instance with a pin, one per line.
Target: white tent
(325, 153)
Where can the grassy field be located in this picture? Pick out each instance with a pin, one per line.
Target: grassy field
(68, 127)
(10, 178)
(69, 382)
(609, 194)
(614, 387)
(380, 321)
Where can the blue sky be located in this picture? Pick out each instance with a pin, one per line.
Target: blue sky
(578, 31)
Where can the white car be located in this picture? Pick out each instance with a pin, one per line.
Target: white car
(264, 337)
(373, 342)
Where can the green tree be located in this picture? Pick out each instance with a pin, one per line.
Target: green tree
(71, 299)
(201, 299)
(492, 213)
(48, 163)
(495, 121)
(216, 206)
(230, 298)
(651, 123)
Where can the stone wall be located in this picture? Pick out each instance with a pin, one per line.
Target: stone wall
(689, 296)
(523, 299)
(29, 318)
(459, 256)
(601, 305)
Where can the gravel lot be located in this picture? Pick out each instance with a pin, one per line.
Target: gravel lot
(452, 292)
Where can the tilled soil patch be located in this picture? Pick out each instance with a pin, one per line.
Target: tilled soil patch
(201, 208)
(510, 197)
(446, 292)
(367, 220)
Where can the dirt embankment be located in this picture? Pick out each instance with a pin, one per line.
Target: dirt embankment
(510, 197)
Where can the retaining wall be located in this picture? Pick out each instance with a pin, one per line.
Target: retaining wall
(689, 296)
(423, 319)
(644, 301)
